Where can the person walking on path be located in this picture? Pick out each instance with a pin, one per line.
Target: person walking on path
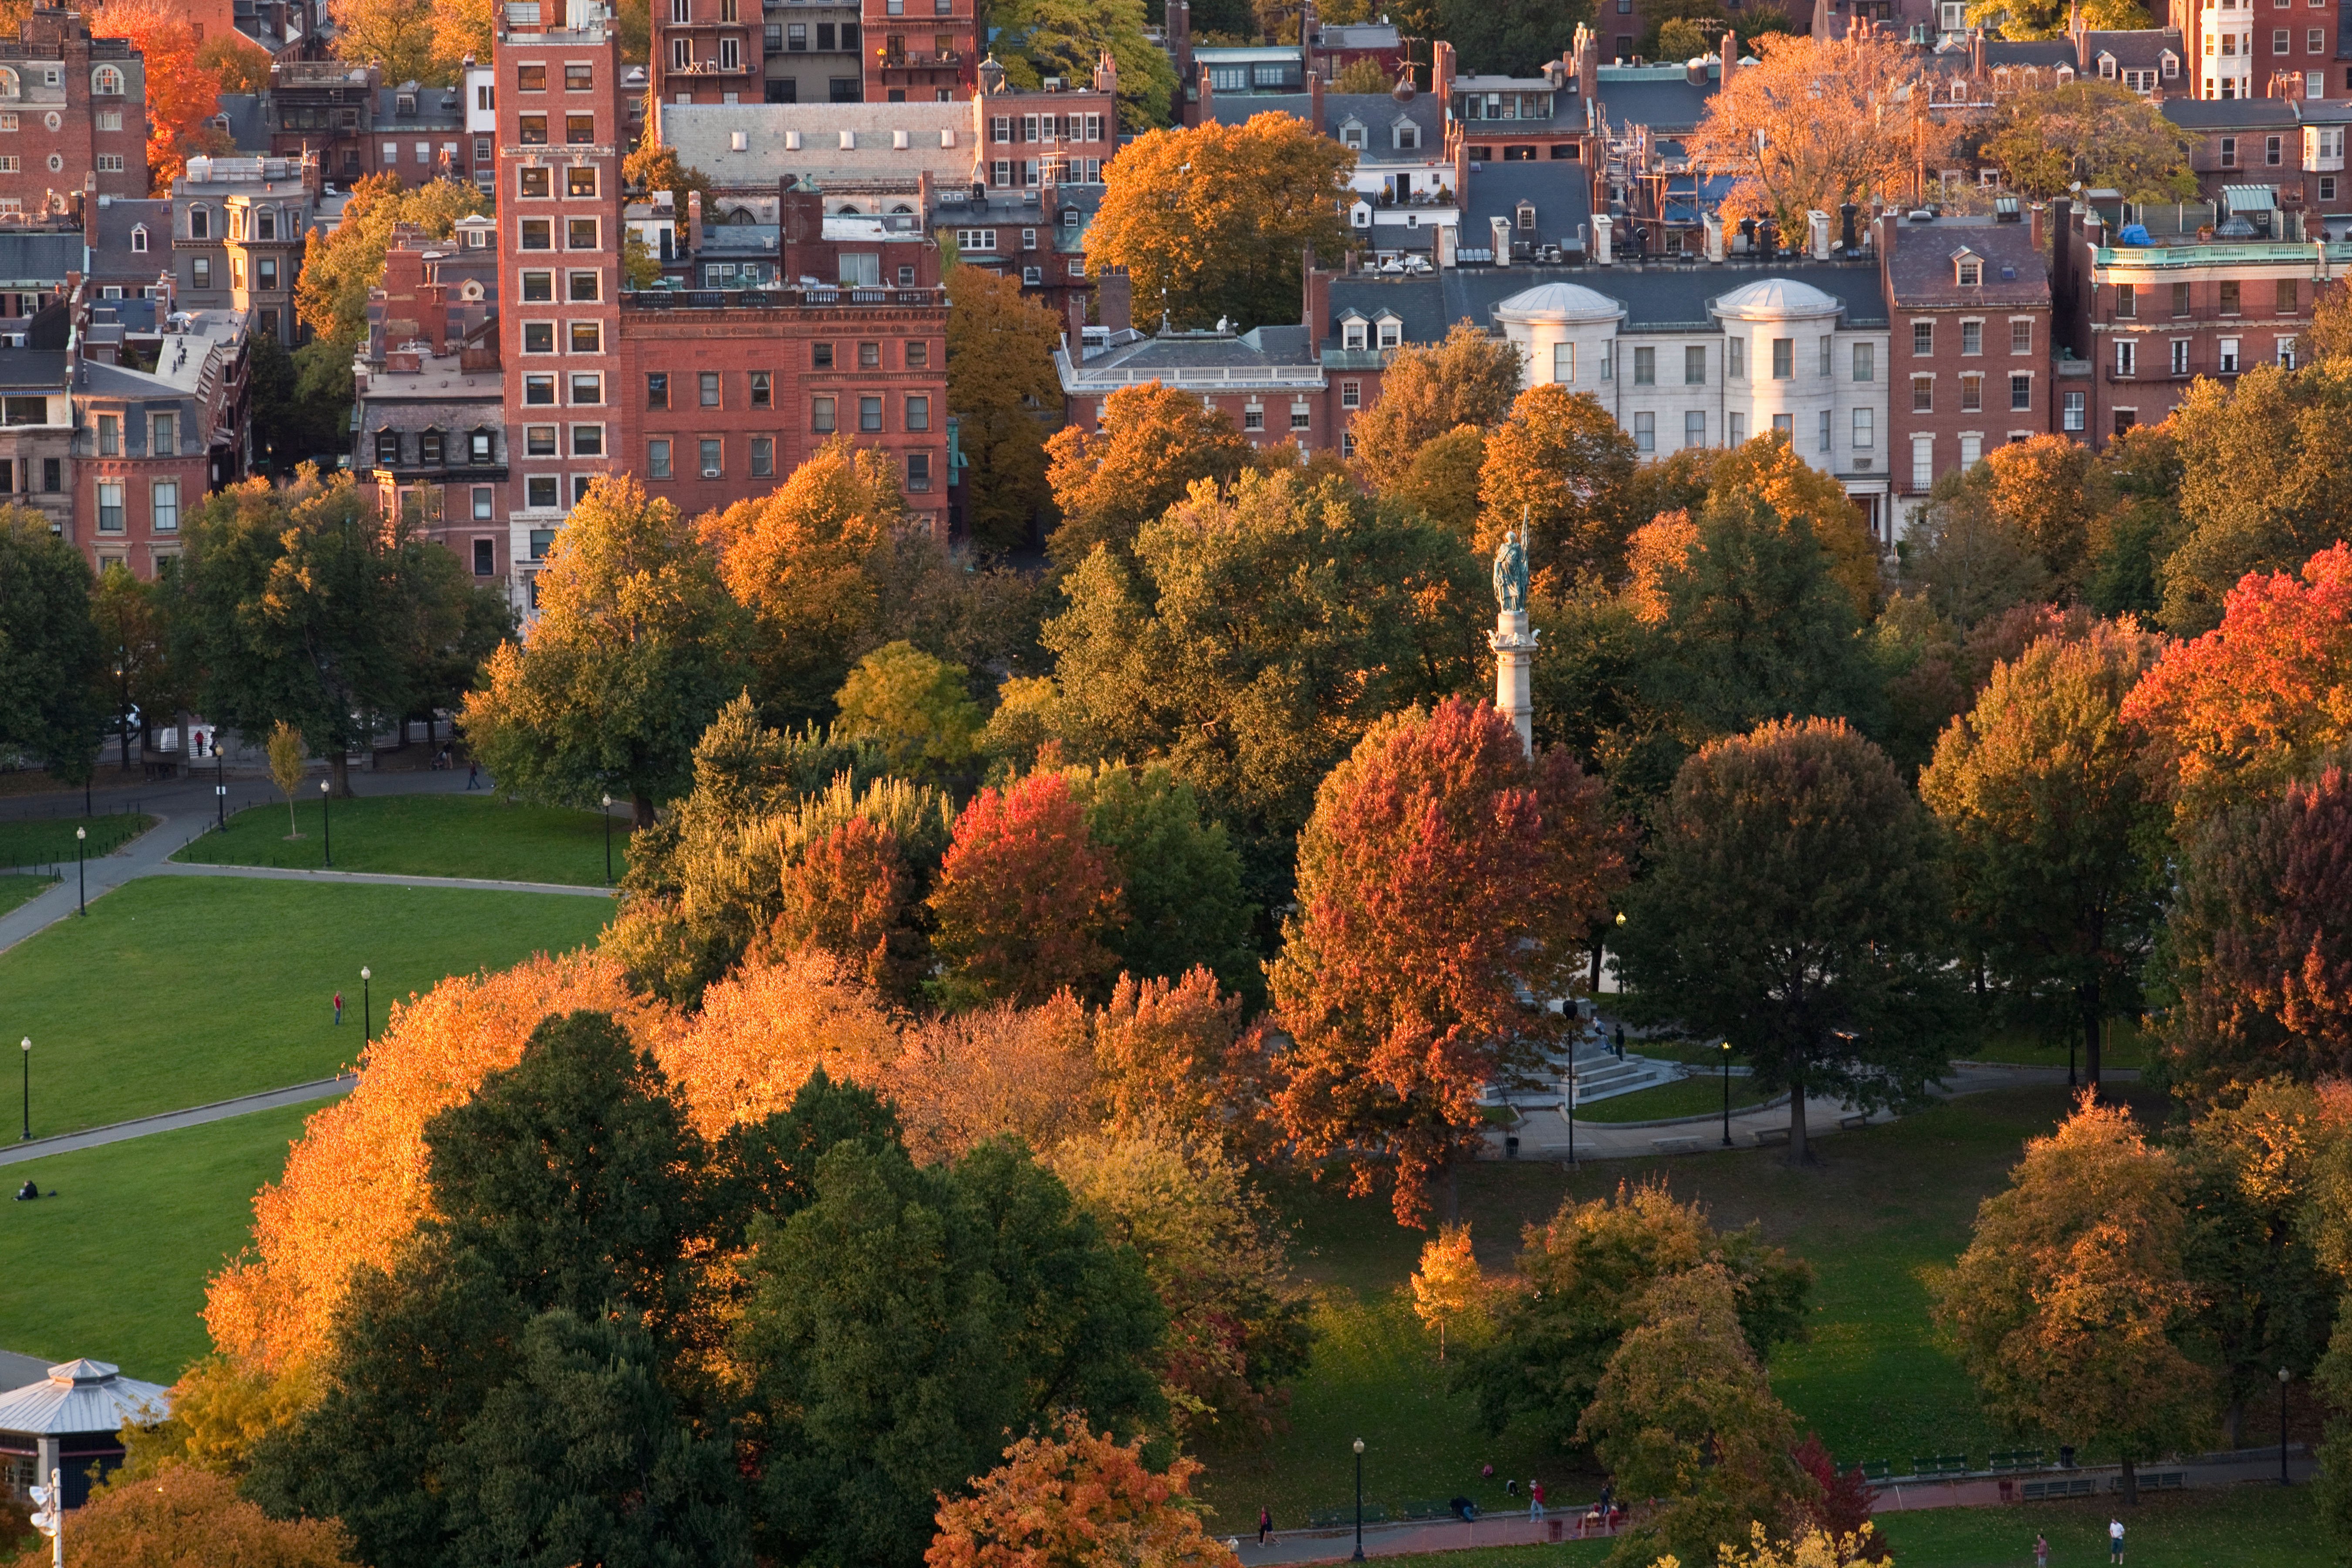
(1535, 1499)
(473, 773)
(338, 1007)
(1264, 1525)
(2114, 1541)
(2041, 1551)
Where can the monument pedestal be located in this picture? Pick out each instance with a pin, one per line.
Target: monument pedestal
(1515, 658)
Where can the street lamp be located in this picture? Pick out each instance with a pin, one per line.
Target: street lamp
(367, 1031)
(1359, 1557)
(1727, 1094)
(25, 1046)
(2283, 1381)
(608, 840)
(220, 791)
(81, 876)
(327, 818)
(220, 776)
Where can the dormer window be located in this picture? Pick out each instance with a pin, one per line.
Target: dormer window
(265, 223)
(404, 103)
(1391, 329)
(428, 447)
(2106, 68)
(2170, 65)
(1351, 134)
(1527, 217)
(1969, 270)
(1353, 331)
(479, 441)
(139, 239)
(387, 447)
(1406, 134)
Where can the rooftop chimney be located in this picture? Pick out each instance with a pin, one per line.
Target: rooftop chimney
(694, 223)
(1115, 299)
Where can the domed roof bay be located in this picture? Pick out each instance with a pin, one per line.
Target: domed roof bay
(1558, 302)
(1776, 297)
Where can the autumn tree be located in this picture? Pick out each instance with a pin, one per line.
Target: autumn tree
(2058, 831)
(463, 27)
(1001, 380)
(401, 35)
(631, 657)
(916, 707)
(2048, 140)
(1442, 482)
(1449, 1289)
(182, 93)
(1444, 881)
(1581, 1280)
(1066, 38)
(1151, 444)
(1080, 1499)
(2266, 470)
(1173, 1058)
(190, 1517)
(1818, 123)
(1024, 896)
(1210, 221)
(1428, 389)
(655, 167)
(235, 64)
(339, 267)
(1180, 875)
(2067, 1305)
(1795, 906)
(2047, 19)
(2236, 714)
(50, 650)
(1557, 469)
(1237, 1322)
(1683, 1413)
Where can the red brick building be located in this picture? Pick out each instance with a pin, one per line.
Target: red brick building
(918, 50)
(73, 109)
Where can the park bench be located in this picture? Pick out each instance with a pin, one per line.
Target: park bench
(2013, 1460)
(1766, 1137)
(1428, 1507)
(1677, 1145)
(1875, 1469)
(1940, 1465)
(2065, 1486)
(1855, 1123)
(2152, 1481)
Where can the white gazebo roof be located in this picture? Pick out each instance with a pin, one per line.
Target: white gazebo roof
(80, 1397)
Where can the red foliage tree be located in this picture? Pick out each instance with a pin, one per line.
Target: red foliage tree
(848, 896)
(1079, 1500)
(1024, 894)
(2258, 700)
(1442, 877)
(182, 91)
(1843, 1505)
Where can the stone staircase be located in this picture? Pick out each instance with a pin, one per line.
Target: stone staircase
(1599, 1076)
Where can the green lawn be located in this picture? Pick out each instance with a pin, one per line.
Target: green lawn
(1887, 1204)
(2126, 1046)
(114, 1267)
(50, 840)
(2241, 1527)
(1685, 1096)
(426, 835)
(14, 890)
(180, 991)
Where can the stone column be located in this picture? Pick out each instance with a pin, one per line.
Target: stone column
(1515, 659)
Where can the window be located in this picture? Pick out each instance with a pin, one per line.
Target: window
(533, 182)
(139, 239)
(2314, 42)
(579, 79)
(579, 233)
(1972, 337)
(711, 454)
(2229, 356)
(163, 429)
(1865, 428)
(109, 506)
(530, 79)
(2282, 40)
(539, 492)
(166, 502)
(1971, 394)
(2127, 356)
(918, 356)
(1971, 272)
(1923, 394)
(1645, 367)
(580, 181)
(657, 458)
(2230, 298)
(1784, 359)
(2181, 356)
(429, 447)
(1735, 430)
(388, 448)
(976, 241)
(919, 414)
(869, 356)
(1923, 339)
(538, 440)
(587, 441)
(2273, 150)
(587, 389)
(1695, 428)
(479, 448)
(1253, 418)
(587, 338)
(1301, 418)
(2326, 187)
(537, 287)
(539, 337)
(1923, 462)
(1828, 352)
(1694, 369)
(485, 561)
(2020, 394)
(2021, 336)
(2289, 297)
(2073, 406)
(1782, 423)
(764, 456)
(821, 355)
(1735, 359)
(2286, 352)
(580, 129)
(706, 388)
(530, 130)
(2229, 152)
(106, 82)
(200, 272)
(538, 390)
(110, 162)
(580, 483)
(1646, 425)
(763, 392)
(1563, 365)
(585, 288)
(538, 233)
(1972, 449)
(109, 434)
(2126, 301)
(821, 415)
(1825, 445)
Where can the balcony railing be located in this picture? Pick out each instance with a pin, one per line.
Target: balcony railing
(921, 60)
(804, 297)
(709, 68)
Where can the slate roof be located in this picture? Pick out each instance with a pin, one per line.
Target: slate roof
(438, 108)
(1562, 193)
(1234, 106)
(2141, 48)
(40, 259)
(704, 137)
(2050, 52)
(31, 369)
(1267, 350)
(247, 115)
(1922, 273)
(1655, 298)
(1376, 111)
(81, 1396)
(1663, 105)
(2228, 114)
(112, 258)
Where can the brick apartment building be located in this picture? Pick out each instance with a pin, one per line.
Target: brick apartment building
(73, 114)
(919, 49)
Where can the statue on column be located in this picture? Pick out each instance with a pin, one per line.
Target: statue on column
(1513, 642)
(1511, 572)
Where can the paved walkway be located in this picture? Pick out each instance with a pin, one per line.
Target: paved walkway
(289, 874)
(172, 1121)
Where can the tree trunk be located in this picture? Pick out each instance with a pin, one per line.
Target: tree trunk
(2088, 994)
(2233, 1420)
(641, 811)
(1453, 1193)
(2131, 1483)
(1800, 1151)
(338, 766)
(1597, 951)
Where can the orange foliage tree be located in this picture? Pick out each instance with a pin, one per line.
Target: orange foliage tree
(2258, 700)
(1442, 876)
(182, 93)
(190, 1517)
(1024, 894)
(1078, 1500)
(766, 1027)
(849, 895)
(1176, 1054)
(969, 1077)
(354, 1186)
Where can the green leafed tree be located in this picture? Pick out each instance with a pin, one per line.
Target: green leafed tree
(1180, 875)
(914, 707)
(1000, 380)
(634, 650)
(50, 649)
(1066, 38)
(2093, 133)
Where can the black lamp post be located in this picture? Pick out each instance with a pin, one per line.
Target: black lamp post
(220, 776)
(81, 874)
(220, 792)
(367, 1029)
(608, 840)
(2283, 1381)
(327, 818)
(1727, 1094)
(25, 1046)
(1359, 1557)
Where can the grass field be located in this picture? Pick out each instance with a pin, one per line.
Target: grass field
(180, 991)
(1888, 1204)
(2240, 1526)
(14, 890)
(426, 835)
(50, 840)
(114, 1267)
(1685, 1096)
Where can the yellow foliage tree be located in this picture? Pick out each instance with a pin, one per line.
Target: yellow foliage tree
(1449, 1290)
(766, 1027)
(190, 1517)
(288, 757)
(1814, 1549)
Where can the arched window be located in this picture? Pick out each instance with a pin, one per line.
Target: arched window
(200, 223)
(265, 223)
(139, 239)
(9, 86)
(106, 81)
